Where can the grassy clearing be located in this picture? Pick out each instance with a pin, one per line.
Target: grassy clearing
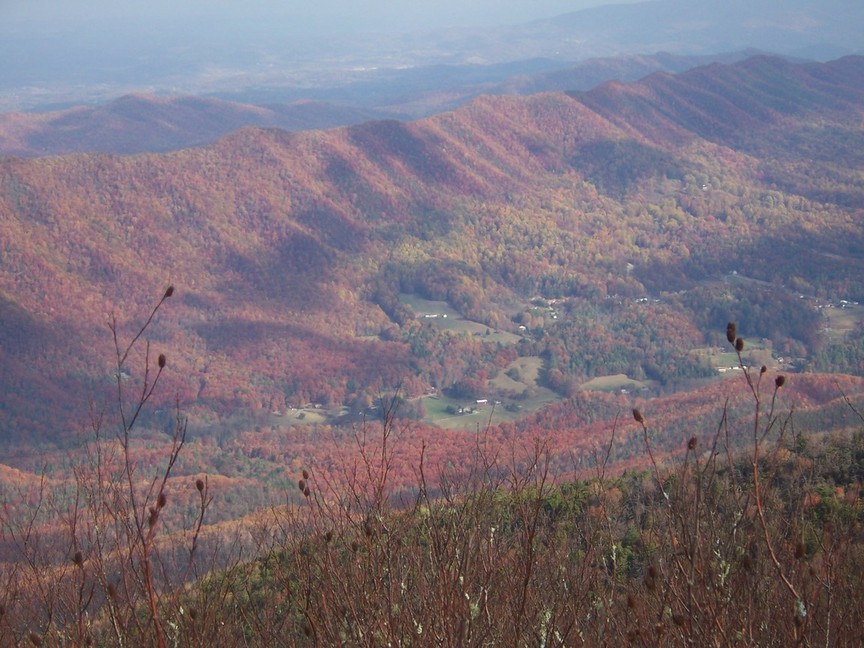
(839, 322)
(529, 397)
(442, 315)
(613, 383)
(757, 352)
(303, 416)
(423, 307)
(437, 414)
(528, 369)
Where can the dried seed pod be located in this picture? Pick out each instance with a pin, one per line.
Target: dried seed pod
(637, 416)
(162, 500)
(307, 492)
(779, 381)
(78, 558)
(301, 485)
(763, 369)
(199, 484)
(168, 292)
(691, 444)
(162, 360)
(305, 474)
(731, 332)
(154, 516)
(739, 345)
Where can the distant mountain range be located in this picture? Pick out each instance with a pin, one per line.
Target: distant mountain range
(613, 231)
(140, 123)
(257, 59)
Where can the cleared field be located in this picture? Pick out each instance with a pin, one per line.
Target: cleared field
(302, 416)
(530, 398)
(423, 307)
(437, 414)
(442, 315)
(838, 322)
(756, 352)
(613, 383)
(529, 369)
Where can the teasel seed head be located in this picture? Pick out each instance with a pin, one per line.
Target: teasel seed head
(739, 345)
(637, 416)
(691, 444)
(162, 360)
(199, 484)
(162, 500)
(169, 291)
(731, 332)
(779, 381)
(78, 559)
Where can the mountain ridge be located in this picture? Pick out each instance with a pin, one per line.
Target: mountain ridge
(141, 122)
(291, 251)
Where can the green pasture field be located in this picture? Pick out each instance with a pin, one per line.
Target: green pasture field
(613, 383)
(446, 318)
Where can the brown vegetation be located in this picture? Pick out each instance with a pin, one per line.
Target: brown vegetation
(709, 546)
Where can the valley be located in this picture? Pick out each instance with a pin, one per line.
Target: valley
(519, 267)
(364, 324)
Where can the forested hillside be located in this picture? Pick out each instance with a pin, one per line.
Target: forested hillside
(567, 369)
(608, 233)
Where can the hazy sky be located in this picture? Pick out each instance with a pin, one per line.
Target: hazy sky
(302, 14)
